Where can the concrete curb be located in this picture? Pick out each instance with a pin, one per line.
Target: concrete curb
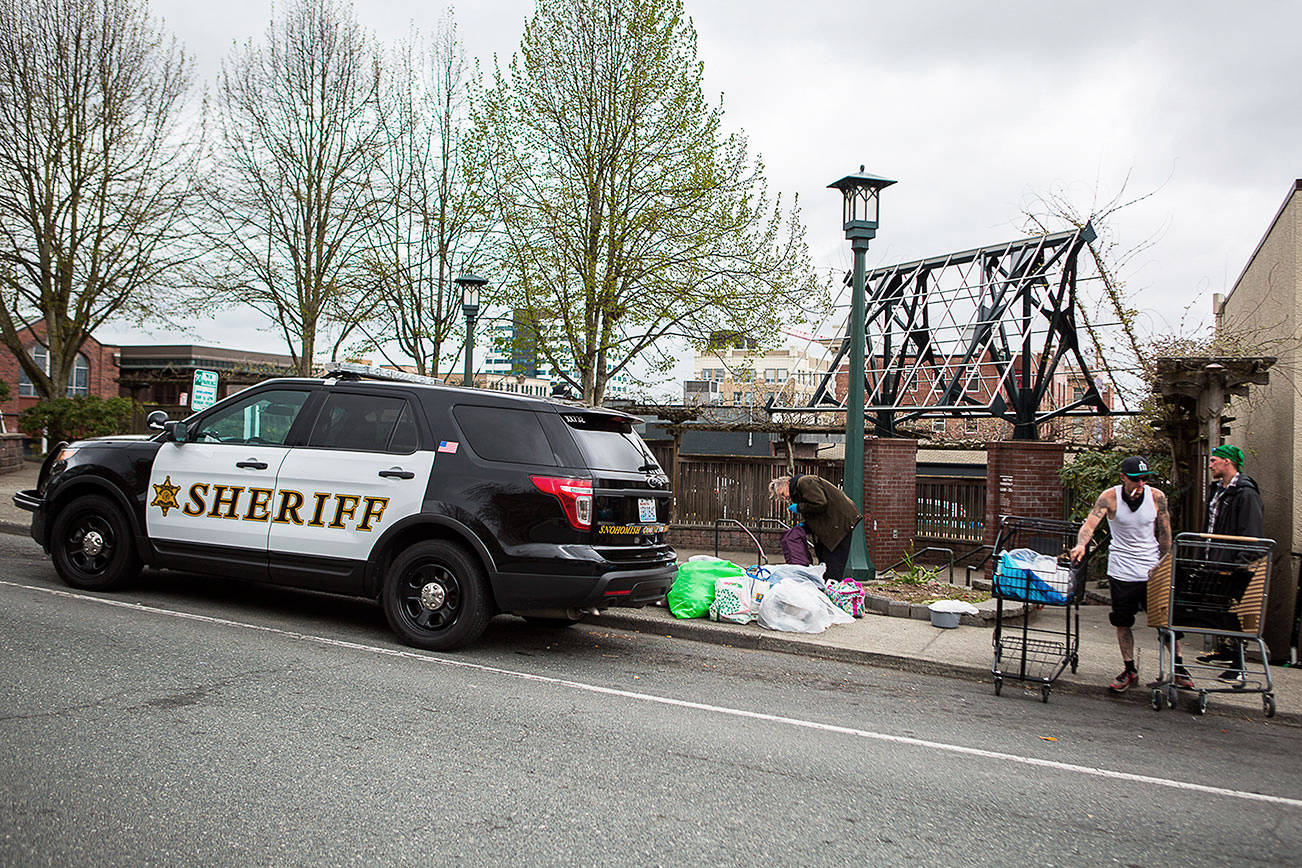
(699, 630)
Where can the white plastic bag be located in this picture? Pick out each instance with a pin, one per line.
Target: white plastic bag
(799, 607)
(732, 600)
(783, 572)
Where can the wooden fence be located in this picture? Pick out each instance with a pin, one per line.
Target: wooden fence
(711, 487)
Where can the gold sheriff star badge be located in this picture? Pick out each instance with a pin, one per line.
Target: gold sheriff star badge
(165, 495)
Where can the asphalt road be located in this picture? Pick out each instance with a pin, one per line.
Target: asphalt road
(192, 721)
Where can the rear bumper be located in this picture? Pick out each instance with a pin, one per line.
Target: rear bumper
(613, 587)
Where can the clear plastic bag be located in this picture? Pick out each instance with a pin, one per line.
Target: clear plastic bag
(799, 607)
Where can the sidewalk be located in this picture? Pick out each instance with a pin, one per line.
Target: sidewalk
(900, 643)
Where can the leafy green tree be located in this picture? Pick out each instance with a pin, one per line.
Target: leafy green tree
(77, 418)
(626, 214)
(96, 173)
(1089, 472)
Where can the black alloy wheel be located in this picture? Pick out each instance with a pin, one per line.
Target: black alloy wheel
(91, 545)
(436, 596)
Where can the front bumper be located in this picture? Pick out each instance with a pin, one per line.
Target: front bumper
(34, 502)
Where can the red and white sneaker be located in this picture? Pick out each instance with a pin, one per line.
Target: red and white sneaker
(1123, 682)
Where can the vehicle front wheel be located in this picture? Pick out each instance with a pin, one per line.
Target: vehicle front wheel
(91, 545)
(436, 596)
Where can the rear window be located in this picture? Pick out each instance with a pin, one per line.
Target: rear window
(609, 442)
(500, 434)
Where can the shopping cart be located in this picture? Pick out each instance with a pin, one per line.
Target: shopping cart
(1212, 586)
(1037, 654)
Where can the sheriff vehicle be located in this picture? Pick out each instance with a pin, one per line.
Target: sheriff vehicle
(446, 505)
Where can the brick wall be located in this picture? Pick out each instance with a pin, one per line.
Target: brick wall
(1022, 479)
(101, 378)
(890, 497)
(11, 452)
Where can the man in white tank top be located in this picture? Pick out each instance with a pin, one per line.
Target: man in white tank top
(1140, 524)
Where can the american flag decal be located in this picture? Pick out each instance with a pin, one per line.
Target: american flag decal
(447, 446)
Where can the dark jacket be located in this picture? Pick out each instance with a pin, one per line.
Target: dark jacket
(1240, 513)
(829, 514)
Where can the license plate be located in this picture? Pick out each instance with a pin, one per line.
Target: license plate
(646, 509)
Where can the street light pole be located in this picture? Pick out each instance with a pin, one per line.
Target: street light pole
(470, 284)
(859, 219)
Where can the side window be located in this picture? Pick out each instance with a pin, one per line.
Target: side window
(263, 419)
(501, 434)
(364, 423)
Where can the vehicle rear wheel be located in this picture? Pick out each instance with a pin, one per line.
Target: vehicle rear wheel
(91, 545)
(436, 597)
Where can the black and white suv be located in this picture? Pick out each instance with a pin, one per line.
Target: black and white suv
(447, 505)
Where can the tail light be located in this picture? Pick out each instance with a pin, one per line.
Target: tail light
(575, 496)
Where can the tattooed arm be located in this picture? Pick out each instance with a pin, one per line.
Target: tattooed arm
(1162, 525)
(1104, 507)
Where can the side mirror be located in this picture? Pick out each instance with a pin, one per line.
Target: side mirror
(156, 420)
(177, 432)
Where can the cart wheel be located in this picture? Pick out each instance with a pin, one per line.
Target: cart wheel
(1202, 702)
(1268, 704)
(1044, 693)
(1157, 699)
(999, 685)
(1172, 696)
(1075, 661)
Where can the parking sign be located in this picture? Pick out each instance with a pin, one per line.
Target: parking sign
(204, 393)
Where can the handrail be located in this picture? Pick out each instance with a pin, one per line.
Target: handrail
(758, 548)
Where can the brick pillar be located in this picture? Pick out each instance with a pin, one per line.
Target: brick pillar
(890, 497)
(1022, 479)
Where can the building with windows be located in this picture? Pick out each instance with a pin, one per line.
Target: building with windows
(162, 375)
(94, 373)
(739, 374)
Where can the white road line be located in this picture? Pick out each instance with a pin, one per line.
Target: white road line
(683, 703)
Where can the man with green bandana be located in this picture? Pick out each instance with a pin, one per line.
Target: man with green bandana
(1233, 509)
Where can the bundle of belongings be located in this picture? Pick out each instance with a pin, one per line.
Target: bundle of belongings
(788, 597)
(1027, 575)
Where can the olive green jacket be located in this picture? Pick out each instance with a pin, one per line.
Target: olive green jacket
(828, 513)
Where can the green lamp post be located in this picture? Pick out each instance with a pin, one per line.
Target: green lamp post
(470, 284)
(860, 193)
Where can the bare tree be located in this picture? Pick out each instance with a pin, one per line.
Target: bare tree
(95, 172)
(627, 215)
(430, 215)
(298, 141)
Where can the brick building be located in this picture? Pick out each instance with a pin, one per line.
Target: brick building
(95, 373)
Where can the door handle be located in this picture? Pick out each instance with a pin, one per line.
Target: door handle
(396, 473)
(252, 464)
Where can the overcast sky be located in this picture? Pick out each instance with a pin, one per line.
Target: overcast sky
(975, 108)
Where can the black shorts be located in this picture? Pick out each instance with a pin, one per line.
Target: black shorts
(1127, 599)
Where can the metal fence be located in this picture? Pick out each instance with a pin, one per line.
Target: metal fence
(710, 487)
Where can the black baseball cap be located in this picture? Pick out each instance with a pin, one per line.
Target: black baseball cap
(1135, 467)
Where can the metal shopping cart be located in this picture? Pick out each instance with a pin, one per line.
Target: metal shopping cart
(1037, 654)
(1212, 586)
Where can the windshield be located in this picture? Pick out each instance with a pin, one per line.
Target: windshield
(609, 442)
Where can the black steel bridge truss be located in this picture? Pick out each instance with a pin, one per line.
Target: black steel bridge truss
(978, 333)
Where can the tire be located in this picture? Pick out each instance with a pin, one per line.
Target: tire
(550, 623)
(999, 685)
(92, 546)
(1044, 693)
(1157, 699)
(1268, 704)
(1202, 703)
(436, 597)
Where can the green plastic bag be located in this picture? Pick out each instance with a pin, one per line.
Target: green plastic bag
(693, 588)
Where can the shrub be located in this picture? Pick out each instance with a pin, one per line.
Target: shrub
(77, 418)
